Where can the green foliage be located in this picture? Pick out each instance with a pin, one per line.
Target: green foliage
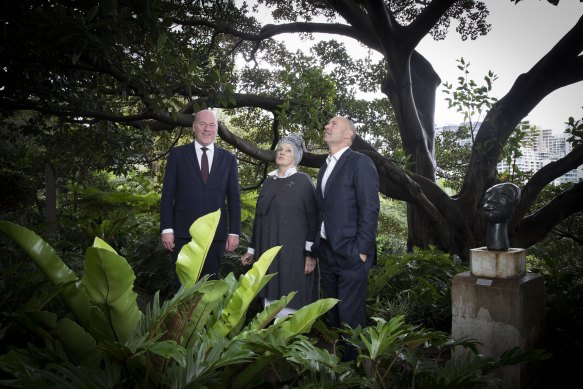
(575, 130)
(250, 284)
(557, 258)
(452, 151)
(316, 92)
(191, 257)
(453, 148)
(470, 99)
(392, 226)
(53, 267)
(400, 355)
(21, 167)
(181, 342)
(414, 284)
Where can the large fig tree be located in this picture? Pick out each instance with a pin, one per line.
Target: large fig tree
(134, 69)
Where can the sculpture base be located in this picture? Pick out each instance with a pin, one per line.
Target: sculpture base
(498, 264)
(501, 314)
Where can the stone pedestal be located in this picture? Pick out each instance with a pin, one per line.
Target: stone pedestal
(501, 313)
(498, 264)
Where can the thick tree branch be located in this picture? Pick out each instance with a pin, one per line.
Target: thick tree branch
(568, 235)
(386, 28)
(426, 20)
(535, 227)
(245, 146)
(543, 177)
(34, 106)
(572, 73)
(528, 91)
(354, 15)
(271, 30)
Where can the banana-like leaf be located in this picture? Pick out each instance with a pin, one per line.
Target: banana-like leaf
(53, 267)
(212, 292)
(108, 281)
(250, 374)
(264, 317)
(302, 320)
(40, 323)
(168, 349)
(101, 244)
(80, 345)
(192, 255)
(250, 285)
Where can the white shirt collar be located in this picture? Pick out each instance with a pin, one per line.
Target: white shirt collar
(338, 154)
(210, 147)
(289, 172)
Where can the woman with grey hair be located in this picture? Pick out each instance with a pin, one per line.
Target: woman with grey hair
(286, 215)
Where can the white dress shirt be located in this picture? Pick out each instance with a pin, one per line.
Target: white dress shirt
(331, 163)
(210, 154)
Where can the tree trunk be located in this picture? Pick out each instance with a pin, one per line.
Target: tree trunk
(50, 198)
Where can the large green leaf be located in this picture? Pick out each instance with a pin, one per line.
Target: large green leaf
(53, 267)
(250, 285)
(302, 320)
(265, 317)
(212, 291)
(109, 280)
(80, 345)
(192, 256)
(101, 244)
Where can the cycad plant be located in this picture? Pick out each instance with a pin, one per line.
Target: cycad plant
(395, 354)
(198, 338)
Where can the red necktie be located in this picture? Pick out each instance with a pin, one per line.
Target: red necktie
(204, 165)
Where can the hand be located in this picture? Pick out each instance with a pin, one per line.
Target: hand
(362, 257)
(232, 243)
(246, 259)
(309, 265)
(168, 241)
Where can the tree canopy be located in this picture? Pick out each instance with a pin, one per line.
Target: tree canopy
(110, 74)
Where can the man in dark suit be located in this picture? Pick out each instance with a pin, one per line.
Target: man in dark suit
(201, 178)
(348, 199)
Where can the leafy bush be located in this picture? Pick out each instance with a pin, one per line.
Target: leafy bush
(201, 337)
(196, 338)
(416, 285)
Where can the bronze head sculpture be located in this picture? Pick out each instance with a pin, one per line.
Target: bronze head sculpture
(500, 201)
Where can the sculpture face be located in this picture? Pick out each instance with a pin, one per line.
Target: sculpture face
(500, 201)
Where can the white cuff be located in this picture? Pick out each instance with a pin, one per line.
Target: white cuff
(251, 250)
(167, 231)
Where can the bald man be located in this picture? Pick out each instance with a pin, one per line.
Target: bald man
(348, 198)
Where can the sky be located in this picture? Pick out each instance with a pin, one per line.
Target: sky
(521, 34)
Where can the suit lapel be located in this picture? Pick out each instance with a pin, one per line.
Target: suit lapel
(337, 168)
(215, 167)
(193, 161)
(319, 181)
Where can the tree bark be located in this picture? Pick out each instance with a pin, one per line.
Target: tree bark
(50, 198)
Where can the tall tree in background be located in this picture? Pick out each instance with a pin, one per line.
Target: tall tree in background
(121, 67)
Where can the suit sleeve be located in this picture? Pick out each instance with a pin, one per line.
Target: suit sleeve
(367, 199)
(234, 199)
(168, 192)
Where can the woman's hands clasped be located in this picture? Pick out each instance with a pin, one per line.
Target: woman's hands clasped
(246, 259)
